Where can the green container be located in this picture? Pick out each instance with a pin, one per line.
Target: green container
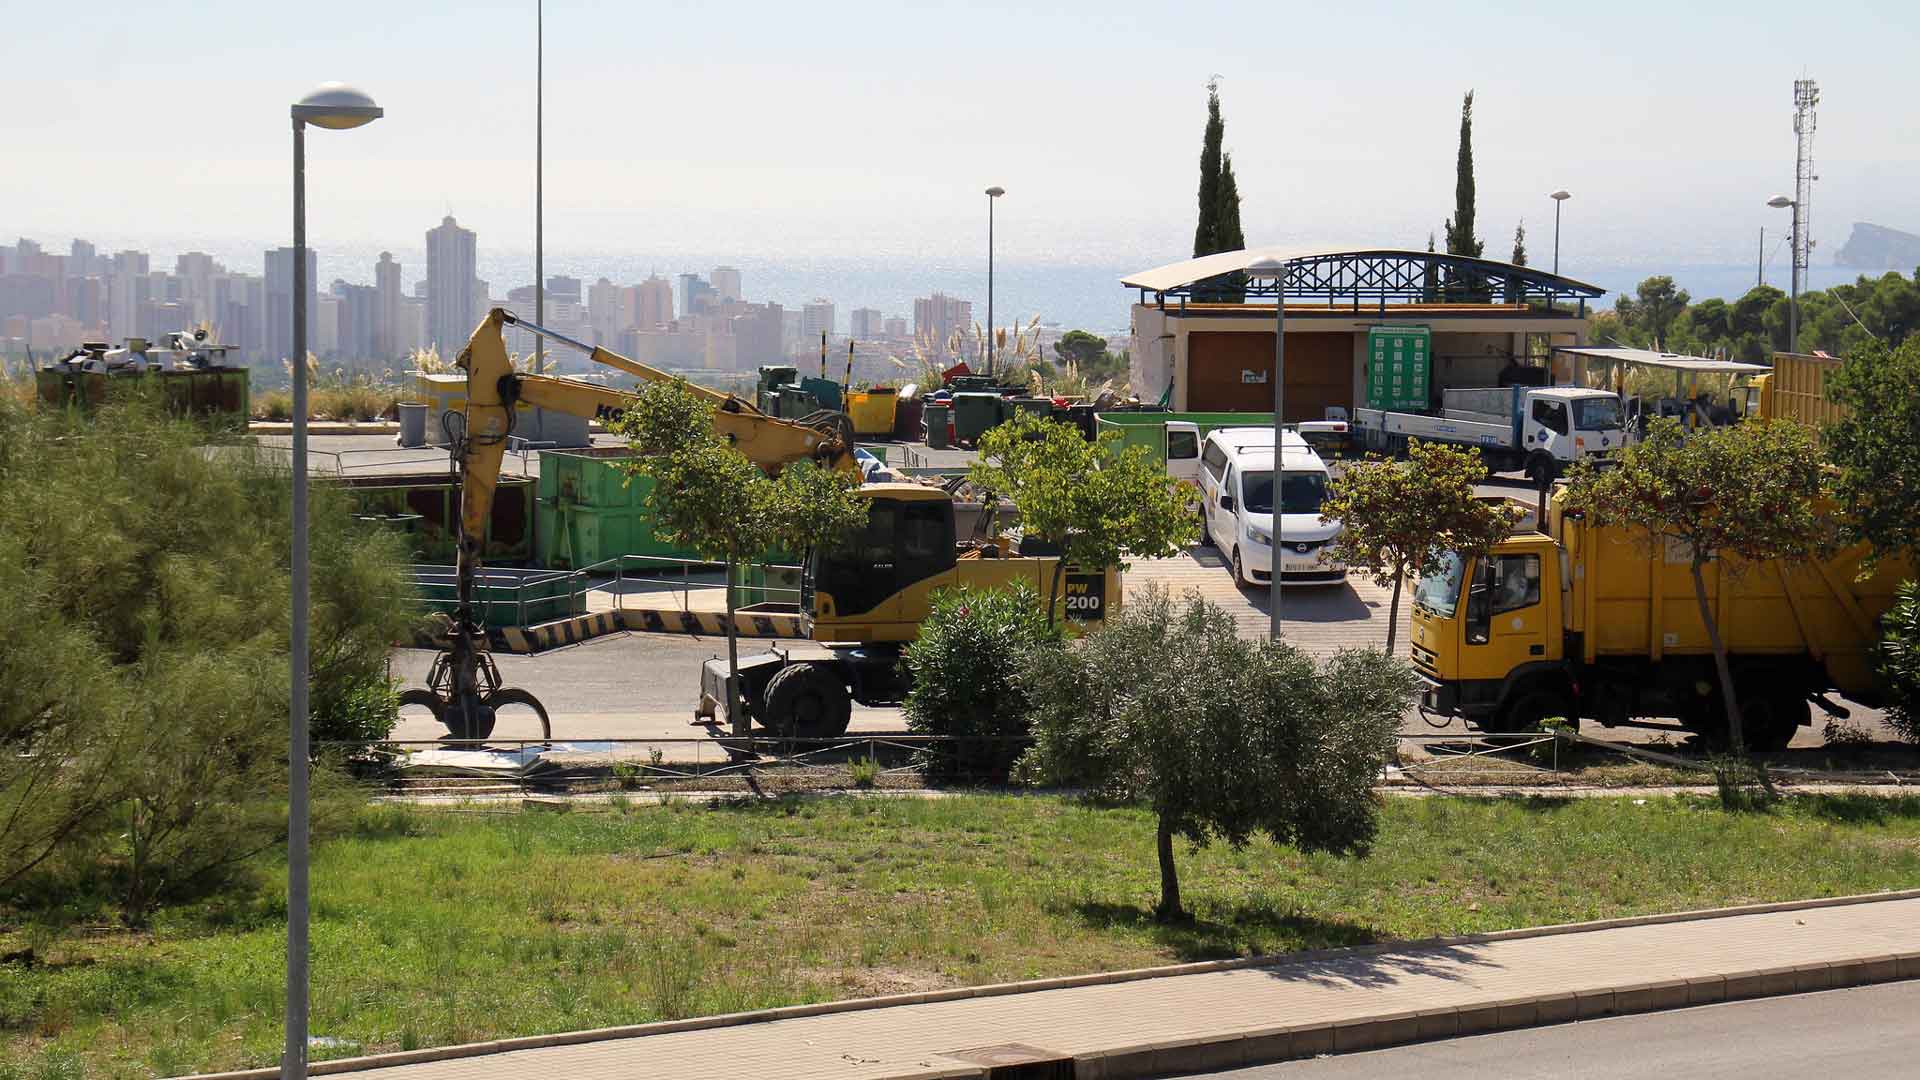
(433, 499)
(217, 397)
(503, 597)
(1149, 429)
(935, 415)
(1038, 406)
(795, 403)
(590, 511)
(824, 391)
(974, 413)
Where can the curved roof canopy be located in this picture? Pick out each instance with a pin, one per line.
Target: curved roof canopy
(1379, 274)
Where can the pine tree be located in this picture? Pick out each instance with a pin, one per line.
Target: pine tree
(1206, 234)
(1519, 244)
(1460, 238)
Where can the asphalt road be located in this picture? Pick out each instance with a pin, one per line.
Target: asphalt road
(1862, 1033)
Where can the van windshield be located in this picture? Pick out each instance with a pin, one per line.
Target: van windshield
(1439, 592)
(1597, 414)
(1300, 492)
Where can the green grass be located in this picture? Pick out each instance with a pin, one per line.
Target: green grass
(438, 928)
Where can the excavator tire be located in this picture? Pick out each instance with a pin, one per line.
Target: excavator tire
(808, 701)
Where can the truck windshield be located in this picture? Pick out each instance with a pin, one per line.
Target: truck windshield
(1300, 492)
(1439, 592)
(1597, 414)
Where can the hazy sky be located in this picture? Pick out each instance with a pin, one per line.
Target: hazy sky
(846, 129)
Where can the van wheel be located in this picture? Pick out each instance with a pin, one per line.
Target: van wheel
(1206, 534)
(1239, 572)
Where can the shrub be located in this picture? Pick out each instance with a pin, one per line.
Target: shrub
(966, 677)
(1899, 661)
(143, 720)
(1220, 737)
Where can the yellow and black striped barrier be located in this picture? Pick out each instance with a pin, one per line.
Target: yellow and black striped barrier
(578, 628)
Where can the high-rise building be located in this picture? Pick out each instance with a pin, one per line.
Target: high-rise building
(726, 282)
(563, 288)
(277, 319)
(938, 317)
(757, 336)
(83, 259)
(894, 328)
(452, 312)
(358, 316)
(653, 303)
(388, 331)
(694, 292)
(866, 323)
(609, 310)
(816, 318)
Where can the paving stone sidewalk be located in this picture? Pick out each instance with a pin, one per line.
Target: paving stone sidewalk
(1133, 1024)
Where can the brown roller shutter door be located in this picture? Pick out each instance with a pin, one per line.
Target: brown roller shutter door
(1319, 373)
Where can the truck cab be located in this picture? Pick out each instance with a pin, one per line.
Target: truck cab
(1479, 622)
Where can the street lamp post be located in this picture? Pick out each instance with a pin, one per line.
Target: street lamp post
(993, 193)
(1558, 197)
(1269, 267)
(336, 106)
(1781, 202)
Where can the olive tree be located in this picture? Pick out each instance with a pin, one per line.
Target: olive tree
(1167, 707)
(1746, 492)
(1097, 503)
(707, 496)
(1399, 517)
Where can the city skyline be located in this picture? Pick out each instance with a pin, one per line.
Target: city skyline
(1666, 158)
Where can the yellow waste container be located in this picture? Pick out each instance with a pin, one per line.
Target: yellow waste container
(872, 411)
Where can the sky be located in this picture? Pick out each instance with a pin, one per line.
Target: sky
(844, 130)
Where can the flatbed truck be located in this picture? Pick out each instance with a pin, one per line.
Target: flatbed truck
(1541, 429)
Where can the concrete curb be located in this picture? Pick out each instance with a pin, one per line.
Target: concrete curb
(1281, 1042)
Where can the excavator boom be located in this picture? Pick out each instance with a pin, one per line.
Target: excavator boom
(466, 687)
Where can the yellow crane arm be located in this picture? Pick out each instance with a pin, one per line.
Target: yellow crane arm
(494, 389)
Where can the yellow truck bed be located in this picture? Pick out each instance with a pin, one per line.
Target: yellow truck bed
(1626, 601)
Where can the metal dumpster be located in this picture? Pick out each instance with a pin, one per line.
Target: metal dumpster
(973, 413)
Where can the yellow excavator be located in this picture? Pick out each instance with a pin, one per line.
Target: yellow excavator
(860, 602)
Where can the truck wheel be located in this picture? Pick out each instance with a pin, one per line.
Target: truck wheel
(808, 701)
(1541, 471)
(1771, 713)
(1529, 711)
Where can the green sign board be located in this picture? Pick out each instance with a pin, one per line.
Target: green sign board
(1398, 366)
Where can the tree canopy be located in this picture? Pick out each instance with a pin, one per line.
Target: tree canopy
(1745, 492)
(1876, 443)
(1398, 517)
(1272, 745)
(1839, 320)
(1098, 503)
(1460, 238)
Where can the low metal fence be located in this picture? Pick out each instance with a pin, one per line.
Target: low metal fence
(618, 578)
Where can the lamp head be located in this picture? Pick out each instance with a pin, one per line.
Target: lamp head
(337, 106)
(1779, 202)
(996, 191)
(1561, 196)
(1266, 267)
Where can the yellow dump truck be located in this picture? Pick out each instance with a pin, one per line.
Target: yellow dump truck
(1585, 621)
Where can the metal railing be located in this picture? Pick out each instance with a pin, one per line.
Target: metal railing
(645, 573)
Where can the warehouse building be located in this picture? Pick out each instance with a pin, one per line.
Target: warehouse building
(1369, 328)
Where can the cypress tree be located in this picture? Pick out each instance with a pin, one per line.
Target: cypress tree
(1206, 233)
(1460, 239)
(1227, 235)
(1519, 245)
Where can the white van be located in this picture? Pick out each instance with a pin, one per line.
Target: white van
(1237, 507)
